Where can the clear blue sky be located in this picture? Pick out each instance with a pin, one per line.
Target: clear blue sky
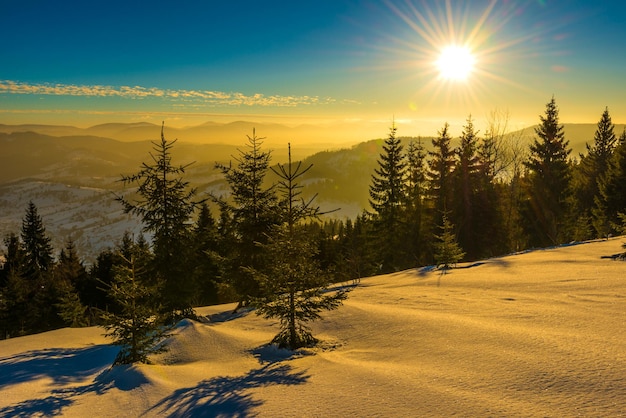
(72, 62)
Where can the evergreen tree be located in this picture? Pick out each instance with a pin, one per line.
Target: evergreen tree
(415, 216)
(15, 291)
(296, 289)
(206, 260)
(165, 206)
(70, 276)
(549, 176)
(386, 199)
(439, 174)
(466, 189)
(134, 324)
(611, 199)
(489, 225)
(447, 250)
(36, 243)
(589, 171)
(357, 248)
(39, 261)
(252, 214)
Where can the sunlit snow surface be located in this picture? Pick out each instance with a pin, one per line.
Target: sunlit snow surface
(533, 334)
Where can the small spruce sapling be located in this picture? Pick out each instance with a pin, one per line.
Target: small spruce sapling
(135, 327)
(447, 250)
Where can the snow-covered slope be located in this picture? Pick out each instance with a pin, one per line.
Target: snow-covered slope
(89, 216)
(533, 334)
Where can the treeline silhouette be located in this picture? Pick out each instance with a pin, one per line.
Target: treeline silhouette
(263, 245)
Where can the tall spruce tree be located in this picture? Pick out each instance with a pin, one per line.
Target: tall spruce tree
(253, 214)
(295, 288)
(415, 216)
(493, 164)
(611, 199)
(466, 188)
(440, 177)
(70, 276)
(386, 199)
(206, 258)
(39, 263)
(165, 205)
(589, 171)
(548, 181)
(15, 291)
(36, 243)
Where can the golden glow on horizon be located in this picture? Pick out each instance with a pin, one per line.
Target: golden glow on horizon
(455, 63)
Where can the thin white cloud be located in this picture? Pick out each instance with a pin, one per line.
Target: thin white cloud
(205, 97)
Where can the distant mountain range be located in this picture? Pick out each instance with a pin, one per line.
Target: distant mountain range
(71, 173)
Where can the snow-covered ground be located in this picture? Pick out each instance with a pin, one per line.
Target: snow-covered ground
(533, 334)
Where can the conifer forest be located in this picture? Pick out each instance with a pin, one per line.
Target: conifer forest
(268, 248)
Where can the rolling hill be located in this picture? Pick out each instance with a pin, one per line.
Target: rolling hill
(55, 165)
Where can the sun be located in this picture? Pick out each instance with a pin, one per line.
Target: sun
(455, 63)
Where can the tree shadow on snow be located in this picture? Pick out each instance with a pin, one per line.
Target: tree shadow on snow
(124, 378)
(62, 365)
(226, 396)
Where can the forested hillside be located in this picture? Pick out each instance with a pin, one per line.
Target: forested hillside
(217, 228)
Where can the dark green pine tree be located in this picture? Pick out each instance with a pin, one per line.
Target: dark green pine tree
(206, 258)
(415, 216)
(250, 217)
(357, 248)
(134, 323)
(70, 277)
(548, 182)
(36, 243)
(447, 250)
(386, 199)
(466, 188)
(587, 174)
(165, 205)
(489, 204)
(39, 262)
(295, 288)
(15, 291)
(611, 199)
(439, 175)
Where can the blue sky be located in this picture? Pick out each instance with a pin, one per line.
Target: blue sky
(80, 63)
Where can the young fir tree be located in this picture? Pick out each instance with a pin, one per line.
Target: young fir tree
(295, 288)
(133, 323)
(447, 250)
(251, 215)
(386, 199)
(165, 206)
(549, 178)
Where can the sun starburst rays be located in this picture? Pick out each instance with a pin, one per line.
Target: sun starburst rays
(482, 40)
